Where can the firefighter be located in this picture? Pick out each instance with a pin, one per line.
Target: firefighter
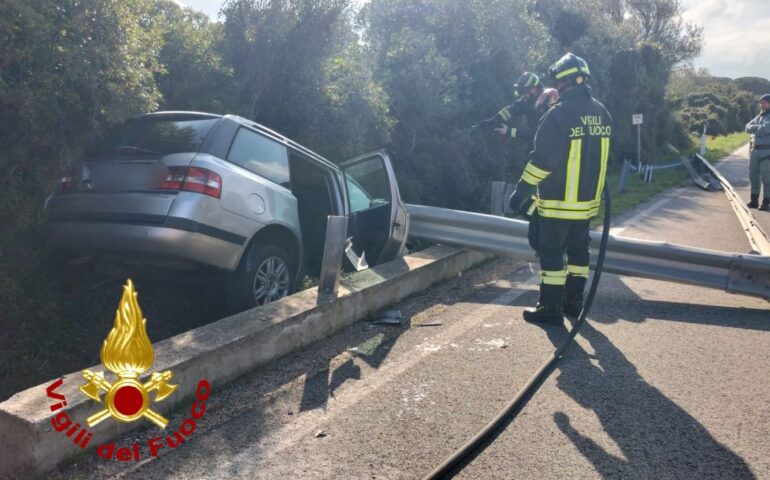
(562, 184)
(532, 101)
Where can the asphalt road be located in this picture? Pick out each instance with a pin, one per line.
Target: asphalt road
(665, 381)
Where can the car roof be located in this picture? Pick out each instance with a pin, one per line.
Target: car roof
(272, 134)
(180, 114)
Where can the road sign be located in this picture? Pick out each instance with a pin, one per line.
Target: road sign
(637, 119)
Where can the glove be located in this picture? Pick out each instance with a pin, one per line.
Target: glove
(522, 199)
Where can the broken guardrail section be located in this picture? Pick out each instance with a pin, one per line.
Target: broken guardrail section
(760, 243)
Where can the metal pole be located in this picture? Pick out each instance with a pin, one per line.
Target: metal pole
(735, 273)
(639, 145)
(334, 247)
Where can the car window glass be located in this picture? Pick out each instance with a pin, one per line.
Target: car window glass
(367, 184)
(154, 136)
(260, 155)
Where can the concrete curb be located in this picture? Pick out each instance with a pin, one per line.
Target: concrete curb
(218, 352)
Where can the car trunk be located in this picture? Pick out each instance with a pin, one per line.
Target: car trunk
(120, 189)
(128, 176)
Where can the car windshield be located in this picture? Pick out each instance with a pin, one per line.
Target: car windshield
(154, 136)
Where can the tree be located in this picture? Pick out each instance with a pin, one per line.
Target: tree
(661, 22)
(67, 68)
(193, 75)
(444, 65)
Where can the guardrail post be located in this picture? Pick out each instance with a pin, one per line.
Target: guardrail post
(624, 176)
(334, 248)
(498, 192)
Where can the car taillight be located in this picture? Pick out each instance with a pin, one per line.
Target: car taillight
(193, 179)
(66, 184)
(202, 181)
(174, 179)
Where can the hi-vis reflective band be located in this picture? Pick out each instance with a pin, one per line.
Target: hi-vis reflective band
(533, 206)
(553, 277)
(603, 170)
(505, 114)
(513, 132)
(573, 171)
(571, 71)
(567, 210)
(577, 271)
(534, 175)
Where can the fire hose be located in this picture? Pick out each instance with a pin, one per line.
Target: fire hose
(465, 454)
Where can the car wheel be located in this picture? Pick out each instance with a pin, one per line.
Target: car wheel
(265, 275)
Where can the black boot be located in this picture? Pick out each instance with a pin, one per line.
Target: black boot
(549, 306)
(544, 313)
(572, 308)
(573, 295)
(765, 204)
(754, 203)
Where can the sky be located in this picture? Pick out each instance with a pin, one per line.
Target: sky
(736, 33)
(737, 36)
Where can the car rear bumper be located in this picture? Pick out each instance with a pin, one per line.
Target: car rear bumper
(174, 239)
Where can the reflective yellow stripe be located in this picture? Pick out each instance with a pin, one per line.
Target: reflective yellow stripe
(553, 277)
(513, 133)
(573, 172)
(572, 70)
(566, 72)
(567, 214)
(603, 169)
(533, 175)
(560, 205)
(577, 270)
(528, 178)
(533, 206)
(505, 114)
(538, 172)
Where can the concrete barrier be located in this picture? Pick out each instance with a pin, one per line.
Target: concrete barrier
(218, 352)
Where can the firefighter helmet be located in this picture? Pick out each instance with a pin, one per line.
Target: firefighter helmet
(570, 66)
(526, 81)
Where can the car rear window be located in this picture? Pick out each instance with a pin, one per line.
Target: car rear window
(155, 136)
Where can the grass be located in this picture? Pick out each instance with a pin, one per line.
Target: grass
(638, 192)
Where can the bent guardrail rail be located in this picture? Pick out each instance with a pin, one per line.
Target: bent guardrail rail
(735, 273)
(760, 244)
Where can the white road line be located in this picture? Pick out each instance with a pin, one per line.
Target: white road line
(647, 211)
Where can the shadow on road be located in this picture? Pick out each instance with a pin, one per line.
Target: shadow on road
(657, 438)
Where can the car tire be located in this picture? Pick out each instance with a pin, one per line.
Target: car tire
(266, 273)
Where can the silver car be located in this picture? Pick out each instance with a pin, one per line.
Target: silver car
(174, 189)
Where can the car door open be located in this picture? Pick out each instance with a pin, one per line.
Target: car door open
(379, 220)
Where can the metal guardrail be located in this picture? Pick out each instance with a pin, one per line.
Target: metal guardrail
(735, 273)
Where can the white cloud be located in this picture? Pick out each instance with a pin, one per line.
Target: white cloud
(735, 36)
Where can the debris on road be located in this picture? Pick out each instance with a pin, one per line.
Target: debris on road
(496, 343)
(434, 323)
(390, 317)
(320, 434)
